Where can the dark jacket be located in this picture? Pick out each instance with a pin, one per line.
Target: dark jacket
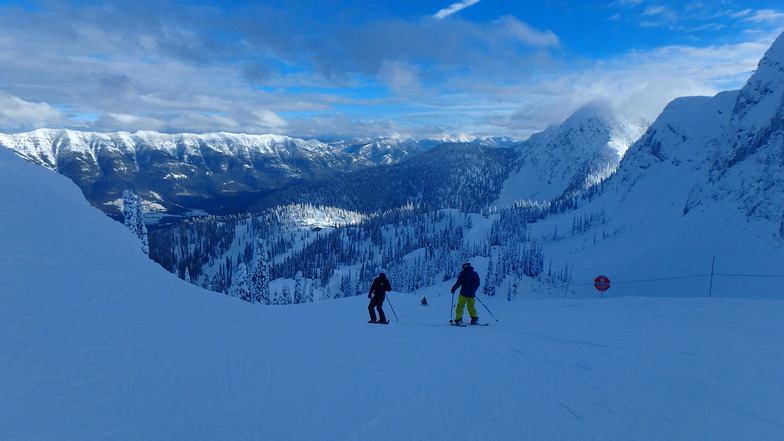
(468, 282)
(380, 286)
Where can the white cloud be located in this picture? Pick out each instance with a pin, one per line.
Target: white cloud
(766, 16)
(659, 15)
(522, 32)
(111, 122)
(454, 8)
(656, 10)
(16, 113)
(638, 84)
(268, 120)
(237, 120)
(627, 2)
(402, 78)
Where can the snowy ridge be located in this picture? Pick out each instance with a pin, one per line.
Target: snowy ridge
(43, 146)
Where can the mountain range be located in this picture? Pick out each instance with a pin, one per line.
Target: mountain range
(696, 196)
(195, 174)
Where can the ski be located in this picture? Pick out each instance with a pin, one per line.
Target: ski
(379, 323)
(463, 325)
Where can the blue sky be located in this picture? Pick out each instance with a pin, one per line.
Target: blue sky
(345, 69)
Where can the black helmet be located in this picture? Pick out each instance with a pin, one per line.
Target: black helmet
(466, 265)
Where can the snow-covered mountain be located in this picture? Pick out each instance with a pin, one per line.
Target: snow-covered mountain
(97, 342)
(705, 181)
(751, 171)
(569, 158)
(218, 173)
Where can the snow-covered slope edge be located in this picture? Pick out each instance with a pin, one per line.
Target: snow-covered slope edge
(96, 342)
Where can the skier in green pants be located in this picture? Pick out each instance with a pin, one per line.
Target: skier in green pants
(468, 282)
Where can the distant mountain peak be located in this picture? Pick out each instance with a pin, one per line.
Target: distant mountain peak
(571, 157)
(771, 66)
(600, 110)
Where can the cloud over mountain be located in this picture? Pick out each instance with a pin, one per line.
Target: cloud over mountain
(310, 69)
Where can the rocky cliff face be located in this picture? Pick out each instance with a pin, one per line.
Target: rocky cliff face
(726, 148)
(751, 170)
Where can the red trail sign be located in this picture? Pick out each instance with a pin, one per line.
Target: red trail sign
(601, 283)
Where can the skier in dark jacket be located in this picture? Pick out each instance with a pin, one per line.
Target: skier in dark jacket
(377, 294)
(468, 282)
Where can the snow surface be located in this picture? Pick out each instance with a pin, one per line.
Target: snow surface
(99, 343)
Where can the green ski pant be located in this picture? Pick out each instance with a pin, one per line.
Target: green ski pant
(465, 301)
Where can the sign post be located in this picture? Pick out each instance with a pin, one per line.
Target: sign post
(602, 283)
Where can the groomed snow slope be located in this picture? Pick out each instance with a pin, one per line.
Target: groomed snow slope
(98, 343)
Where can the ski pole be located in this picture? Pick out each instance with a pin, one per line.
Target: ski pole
(452, 307)
(488, 309)
(393, 309)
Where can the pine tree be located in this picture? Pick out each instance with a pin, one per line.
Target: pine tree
(239, 284)
(511, 292)
(493, 268)
(258, 274)
(299, 294)
(284, 298)
(308, 291)
(133, 212)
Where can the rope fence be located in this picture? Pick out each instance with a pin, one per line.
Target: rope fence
(712, 276)
(661, 279)
(602, 280)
